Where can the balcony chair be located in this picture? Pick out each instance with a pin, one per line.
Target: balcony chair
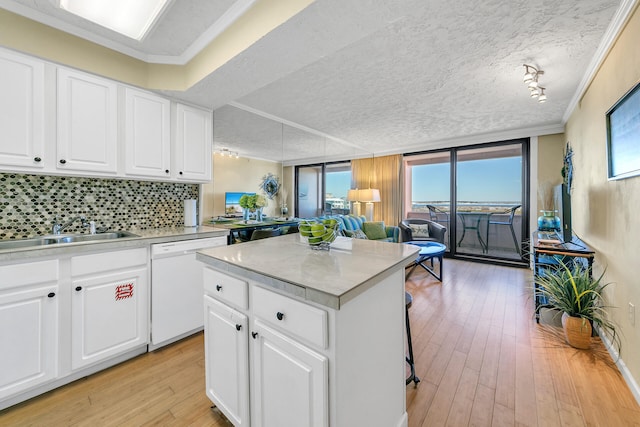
(436, 231)
(511, 212)
(438, 215)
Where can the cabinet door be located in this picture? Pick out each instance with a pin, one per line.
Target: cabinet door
(290, 382)
(193, 144)
(109, 315)
(147, 137)
(227, 360)
(29, 337)
(21, 111)
(87, 123)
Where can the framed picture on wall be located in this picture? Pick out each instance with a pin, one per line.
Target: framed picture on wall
(623, 136)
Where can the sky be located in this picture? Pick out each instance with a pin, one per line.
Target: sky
(487, 180)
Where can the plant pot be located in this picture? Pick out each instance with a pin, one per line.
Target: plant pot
(577, 331)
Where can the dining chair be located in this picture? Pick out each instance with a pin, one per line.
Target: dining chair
(509, 222)
(264, 233)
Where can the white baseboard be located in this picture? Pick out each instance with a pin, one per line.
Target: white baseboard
(622, 367)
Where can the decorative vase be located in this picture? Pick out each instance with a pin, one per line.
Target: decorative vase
(245, 214)
(577, 331)
(259, 215)
(549, 221)
(284, 210)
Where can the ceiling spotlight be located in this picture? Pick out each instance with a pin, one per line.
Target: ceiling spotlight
(226, 152)
(531, 75)
(542, 97)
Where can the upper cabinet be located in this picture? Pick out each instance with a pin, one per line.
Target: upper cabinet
(147, 134)
(193, 144)
(87, 123)
(59, 121)
(21, 111)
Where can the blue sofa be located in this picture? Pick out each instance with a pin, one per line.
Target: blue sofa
(350, 223)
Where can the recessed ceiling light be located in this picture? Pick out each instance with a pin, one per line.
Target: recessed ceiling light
(132, 18)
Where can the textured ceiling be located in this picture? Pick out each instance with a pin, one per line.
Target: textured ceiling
(353, 78)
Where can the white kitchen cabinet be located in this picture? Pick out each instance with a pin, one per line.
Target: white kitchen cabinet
(28, 325)
(290, 381)
(87, 123)
(22, 111)
(147, 134)
(192, 144)
(109, 305)
(227, 355)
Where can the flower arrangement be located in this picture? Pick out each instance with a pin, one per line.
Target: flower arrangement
(253, 201)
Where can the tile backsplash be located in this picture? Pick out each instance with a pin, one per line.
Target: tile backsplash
(29, 203)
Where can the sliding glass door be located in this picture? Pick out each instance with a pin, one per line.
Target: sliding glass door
(489, 199)
(479, 193)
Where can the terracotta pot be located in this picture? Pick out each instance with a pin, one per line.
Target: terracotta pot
(577, 331)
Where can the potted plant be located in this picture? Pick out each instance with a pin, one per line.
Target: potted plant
(252, 203)
(572, 290)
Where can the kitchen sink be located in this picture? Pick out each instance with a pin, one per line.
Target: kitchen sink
(53, 239)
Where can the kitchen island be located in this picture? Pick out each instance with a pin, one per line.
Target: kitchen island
(299, 337)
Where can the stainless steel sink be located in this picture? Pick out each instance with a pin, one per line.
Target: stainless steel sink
(53, 239)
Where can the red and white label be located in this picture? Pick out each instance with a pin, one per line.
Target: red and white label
(124, 291)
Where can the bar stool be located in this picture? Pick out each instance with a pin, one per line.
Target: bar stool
(408, 299)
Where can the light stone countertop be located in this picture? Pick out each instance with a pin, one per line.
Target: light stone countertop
(330, 278)
(143, 238)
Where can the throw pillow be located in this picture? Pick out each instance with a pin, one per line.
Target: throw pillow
(374, 230)
(356, 234)
(419, 230)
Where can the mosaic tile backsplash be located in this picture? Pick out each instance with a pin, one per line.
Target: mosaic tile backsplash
(29, 203)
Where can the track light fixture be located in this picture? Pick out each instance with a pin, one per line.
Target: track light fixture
(222, 152)
(531, 75)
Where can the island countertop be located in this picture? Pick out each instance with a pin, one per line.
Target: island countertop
(330, 278)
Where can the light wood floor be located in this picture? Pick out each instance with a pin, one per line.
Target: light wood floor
(481, 357)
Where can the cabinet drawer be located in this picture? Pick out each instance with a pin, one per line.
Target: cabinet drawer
(226, 288)
(300, 319)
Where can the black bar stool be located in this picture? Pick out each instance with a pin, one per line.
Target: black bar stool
(408, 299)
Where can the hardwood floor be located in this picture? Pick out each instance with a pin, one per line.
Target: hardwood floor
(484, 361)
(480, 355)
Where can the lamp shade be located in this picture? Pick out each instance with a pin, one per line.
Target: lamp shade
(353, 195)
(370, 195)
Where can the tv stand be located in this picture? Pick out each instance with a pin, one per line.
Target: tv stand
(548, 250)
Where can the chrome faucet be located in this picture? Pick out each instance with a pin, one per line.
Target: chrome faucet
(58, 227)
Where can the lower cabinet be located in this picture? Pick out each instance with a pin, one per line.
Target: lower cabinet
(227, 355)
(290, 381)
(108, 315)
(288, 384)
(28, 325)
(64, 318)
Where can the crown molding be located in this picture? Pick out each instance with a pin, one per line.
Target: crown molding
(611, 35)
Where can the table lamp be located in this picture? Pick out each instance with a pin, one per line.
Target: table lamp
(354, 196)
(369, 196)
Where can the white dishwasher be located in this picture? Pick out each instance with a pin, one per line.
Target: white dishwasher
(177, 292)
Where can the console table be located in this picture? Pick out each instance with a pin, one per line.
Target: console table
(241, 230)
(549, 250)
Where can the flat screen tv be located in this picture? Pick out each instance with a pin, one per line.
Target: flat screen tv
(232, 203)
(562, 201)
